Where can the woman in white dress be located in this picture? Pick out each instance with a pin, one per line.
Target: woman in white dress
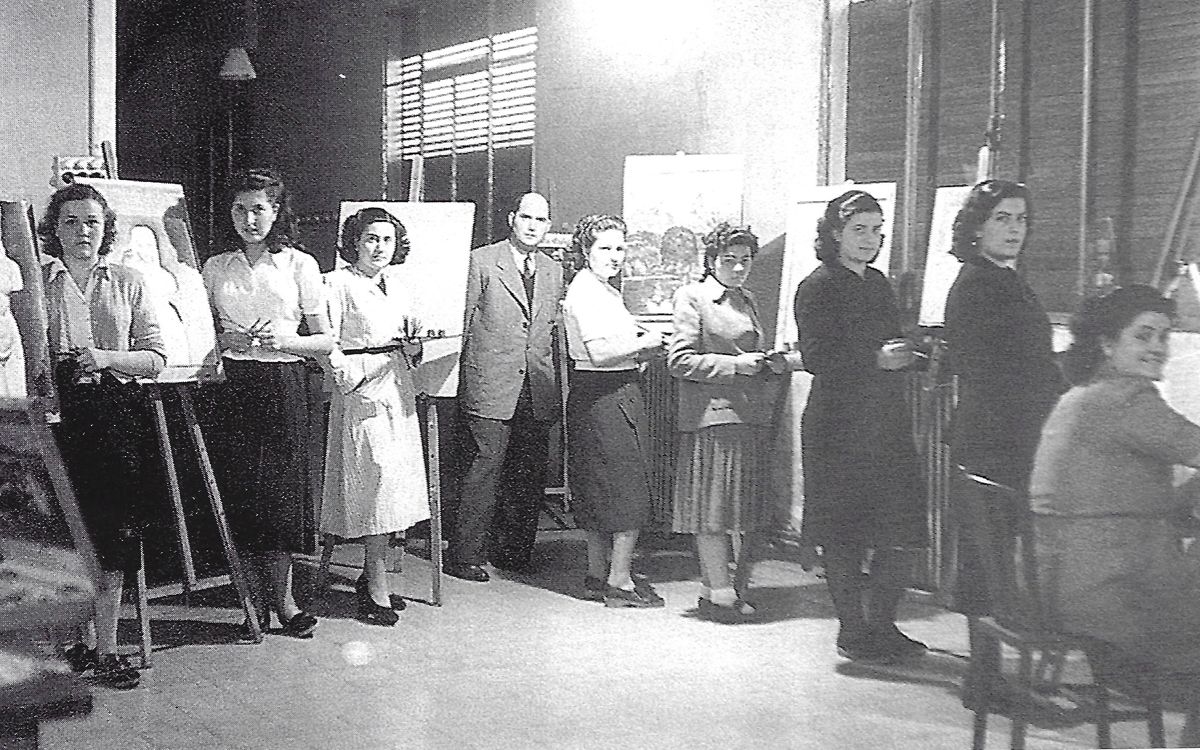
(374, 465)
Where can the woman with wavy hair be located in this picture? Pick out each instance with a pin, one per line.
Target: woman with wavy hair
(1107, 520)
(374, 483)
(606, 416)
(728, 389)
(262, 288)
(999, 345)
(103, 333)
(863, 496)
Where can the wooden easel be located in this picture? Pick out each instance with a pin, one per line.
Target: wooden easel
(190, 581)
(196, 437)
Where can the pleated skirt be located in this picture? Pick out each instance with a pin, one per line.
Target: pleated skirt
(721, 480)
(607, 433)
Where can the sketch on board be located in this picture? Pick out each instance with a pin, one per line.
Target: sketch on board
(154, 236)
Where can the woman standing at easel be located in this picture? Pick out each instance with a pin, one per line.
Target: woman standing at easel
(374, 484)
(104, 333)
(261, 290)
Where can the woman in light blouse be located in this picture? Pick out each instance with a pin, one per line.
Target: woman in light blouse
(374, 464)
(261, 290)
(606, 416)
(728, 388)
(103, 333)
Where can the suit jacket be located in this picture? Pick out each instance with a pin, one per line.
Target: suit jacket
(505, 343)
(712, 325)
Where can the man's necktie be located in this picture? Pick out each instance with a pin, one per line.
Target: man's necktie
(527, 278)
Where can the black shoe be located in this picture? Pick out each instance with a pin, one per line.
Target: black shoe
(861, 646)
(360, 587)
(593, 588)
(729, 614)
(647, 592)
(373, 613)
(618, 598)
(114, 671)
(81, 658)
(300, 626)
(474, 573)
(891, 639)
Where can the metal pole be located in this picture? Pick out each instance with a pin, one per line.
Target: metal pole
(918, 23)
(1085, 143)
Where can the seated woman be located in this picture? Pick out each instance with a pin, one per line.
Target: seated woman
(1105, 513)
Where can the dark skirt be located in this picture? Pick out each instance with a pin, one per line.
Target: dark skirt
(110, 449)
(862, 477)
(721, 480)
(260, 450)
(607, 437)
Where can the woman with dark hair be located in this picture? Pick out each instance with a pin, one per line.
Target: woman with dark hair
(728, 389)
(862, 487)
(606, 416)
(103, 333)
(374, 483)
(1106, 517)
(261, 290)
(998, 340)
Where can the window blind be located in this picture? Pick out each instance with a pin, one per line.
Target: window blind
(463, 98)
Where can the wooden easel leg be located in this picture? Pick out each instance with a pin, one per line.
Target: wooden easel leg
(328, 542)
(164, 444)
(143, 607)
(214, 498)
(433, 472)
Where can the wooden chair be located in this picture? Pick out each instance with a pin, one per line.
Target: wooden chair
(1019, 621)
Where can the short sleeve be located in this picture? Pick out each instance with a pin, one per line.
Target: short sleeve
(1152, 427)
(309, 284)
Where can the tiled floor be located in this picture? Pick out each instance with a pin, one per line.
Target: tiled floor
(522, 663)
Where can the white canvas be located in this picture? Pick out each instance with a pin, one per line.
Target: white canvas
(435, 280)
(799, 256)
(941, 268)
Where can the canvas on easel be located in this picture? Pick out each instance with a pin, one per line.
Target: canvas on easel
(26, 300)
(154, 236)
(434, 279)
(941, 268)
(670, 203)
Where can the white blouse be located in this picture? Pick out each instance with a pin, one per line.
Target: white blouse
(594, 310)
(279, 287)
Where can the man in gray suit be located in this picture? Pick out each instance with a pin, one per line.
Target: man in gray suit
(508, 394)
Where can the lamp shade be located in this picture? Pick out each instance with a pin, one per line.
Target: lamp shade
(237, 66)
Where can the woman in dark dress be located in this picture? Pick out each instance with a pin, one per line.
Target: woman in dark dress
(998, 337)
(862, 488)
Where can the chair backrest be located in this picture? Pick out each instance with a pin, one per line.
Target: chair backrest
(999, 524)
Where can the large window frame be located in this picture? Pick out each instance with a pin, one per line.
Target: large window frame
(468, 114)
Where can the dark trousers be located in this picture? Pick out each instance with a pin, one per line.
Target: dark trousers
(502, 490)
